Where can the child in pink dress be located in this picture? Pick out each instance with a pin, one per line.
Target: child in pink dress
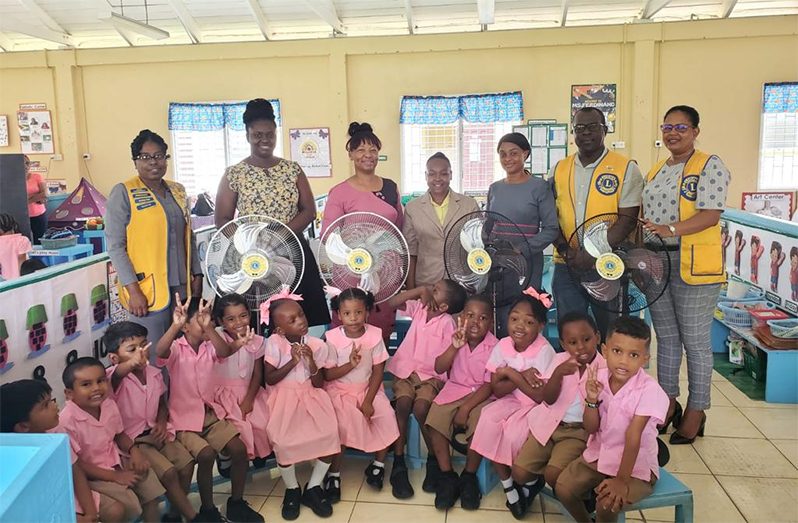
(302, 424)
(357, 357)
(456, 409)
(14, 247)
(623, 406)
(238, 376)
(413, 365)
(557, 434)
(515, 364)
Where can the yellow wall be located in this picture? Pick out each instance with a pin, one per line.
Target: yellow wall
(101, 98)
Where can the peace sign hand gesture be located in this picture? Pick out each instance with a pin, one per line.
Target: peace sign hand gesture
(180, 314)
(244, 338)
(459, 336)
(593, 387)
(355, 356)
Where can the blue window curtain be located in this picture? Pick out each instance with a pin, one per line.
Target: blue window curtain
(781, 98)
(212, 116)
(482, 108)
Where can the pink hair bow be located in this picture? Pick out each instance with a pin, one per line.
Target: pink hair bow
(284, 294)
(331, 291)
(542, 297)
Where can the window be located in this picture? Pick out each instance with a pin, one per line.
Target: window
(466, 129)
(207, 138)
(778, 149)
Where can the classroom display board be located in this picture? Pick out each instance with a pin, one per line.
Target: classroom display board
(549, 142)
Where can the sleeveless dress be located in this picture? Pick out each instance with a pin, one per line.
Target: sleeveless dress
(273, 192)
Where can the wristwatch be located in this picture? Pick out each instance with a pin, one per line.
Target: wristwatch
(672, 229)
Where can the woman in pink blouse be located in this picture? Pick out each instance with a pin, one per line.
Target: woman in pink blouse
(37, 197)
(364, 191)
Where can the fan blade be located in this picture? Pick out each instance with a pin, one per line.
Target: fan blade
(603, 290)
(595, 239)
(370, 282)
(471, 235)
(237, 282)
(245, 236)
(281, 268)
(645, 261)
(337, 250)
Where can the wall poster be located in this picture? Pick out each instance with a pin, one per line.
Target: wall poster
(600, 96)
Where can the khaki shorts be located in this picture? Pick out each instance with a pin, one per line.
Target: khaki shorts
(163, 456)
(146, 490)
(565, 445)
(582, 477)
(414, 388)
(215, 433)
(440, 417)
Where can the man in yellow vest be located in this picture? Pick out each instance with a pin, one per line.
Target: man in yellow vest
(593, 181)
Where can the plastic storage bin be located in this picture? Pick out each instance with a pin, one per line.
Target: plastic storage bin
(737, 313)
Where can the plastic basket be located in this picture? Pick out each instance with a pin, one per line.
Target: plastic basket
(739, 316)
(784, 328)
(58, 243)
(753, 294)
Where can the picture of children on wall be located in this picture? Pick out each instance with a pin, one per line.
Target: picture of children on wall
(725, 240)
(776, 259)
(794, 273)
(757, 250)
(739, 243)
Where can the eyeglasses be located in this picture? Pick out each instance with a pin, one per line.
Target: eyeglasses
(158, 157)
(590, 127)
(679, 127)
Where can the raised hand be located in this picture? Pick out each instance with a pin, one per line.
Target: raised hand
(427, 300)
(355, 356)
(204, 315)
(459, 336)
(244, 338)
(180, 314)
(593, 386)
(568, 367)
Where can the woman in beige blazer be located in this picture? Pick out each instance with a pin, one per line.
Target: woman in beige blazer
(428, 219)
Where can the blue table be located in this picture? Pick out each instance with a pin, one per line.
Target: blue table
(67, 254)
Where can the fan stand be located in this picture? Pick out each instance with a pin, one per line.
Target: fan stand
(495, 275)
(625, 294)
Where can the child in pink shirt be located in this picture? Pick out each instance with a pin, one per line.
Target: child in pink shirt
(413, 365)
(457, 407)
(623, 407)
(302, 425)
(26, 406)
(357, 357)
(238, 376)
(515, 364)
(139, 391)
(94, 425)
(557, 434)
(14, 247)
(193, 414)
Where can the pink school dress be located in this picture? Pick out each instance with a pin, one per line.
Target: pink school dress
(301, 424)
(347, 392)
(502, 428)
(231, 377)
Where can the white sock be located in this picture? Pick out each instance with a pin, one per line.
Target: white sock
(527, 488)
(289, 476)
(378, 464)
(512, 495)
(317, 476)
(334, 474)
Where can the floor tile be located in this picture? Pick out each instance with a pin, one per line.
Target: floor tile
(741, 400)
(774, 423)
(220, 500)
(744, 457)
(458, 515)
(788, 447)
(718, 398)
(495, 500)
(393, 513)
(416, 476)
(260, 483)
(764, 499)
(729, 422)
(342, 511)
(710, 502)
(685, 459)
(351, 478)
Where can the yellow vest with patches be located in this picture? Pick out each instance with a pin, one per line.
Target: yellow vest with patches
(603, 196)
(701, 259)
(148, 242)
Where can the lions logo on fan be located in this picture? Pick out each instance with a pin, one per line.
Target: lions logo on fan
(607, 184)
(689, 187)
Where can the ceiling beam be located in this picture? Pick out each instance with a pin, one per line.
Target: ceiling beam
(260, 18)
(652, 7)
(325, 9)
(12, 25)
(564, 11)
(6, 44)
(46, 19)
(411, 22)
(486, 10)
(188, 22)
(727, 7)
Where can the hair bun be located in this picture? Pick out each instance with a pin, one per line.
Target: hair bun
(258, 109)
(356, 127)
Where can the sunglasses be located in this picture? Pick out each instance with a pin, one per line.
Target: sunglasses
(158, 157)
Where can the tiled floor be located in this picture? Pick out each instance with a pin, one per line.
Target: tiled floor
(745, 469)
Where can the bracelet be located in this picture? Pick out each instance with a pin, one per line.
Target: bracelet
(592, 405)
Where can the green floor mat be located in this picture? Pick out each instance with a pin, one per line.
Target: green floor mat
(737, 376)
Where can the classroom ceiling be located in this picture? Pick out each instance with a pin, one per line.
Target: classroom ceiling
(27, 25)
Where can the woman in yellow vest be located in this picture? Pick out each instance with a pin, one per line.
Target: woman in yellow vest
(149, 238)
(683, 199)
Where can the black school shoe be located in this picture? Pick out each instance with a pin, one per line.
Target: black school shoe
(401, 487)
(332, 488)
(314, 499)
(469, 491)
(517, 509)
(446, 490)
(238, 510)
(209, 515)
(534, 490)
(171, 518)
(291, 498)
(431, 478)
(375, 476)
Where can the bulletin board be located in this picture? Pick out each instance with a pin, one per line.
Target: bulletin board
(35, 131)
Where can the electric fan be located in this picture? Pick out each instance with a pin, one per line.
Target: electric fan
(364, 250)
(485, 248)
(622, 267)
(255, 256)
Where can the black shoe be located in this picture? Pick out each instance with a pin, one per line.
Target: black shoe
(375, 476)
(401, 487)
(431, 478)
(446, 490)
(171, 518)
(469, 491)
(534, 490)
(291, 500)
(258, 463)
(314, 498)
(223, 465)
(332, 488)
(678, 439)
(209, 515)
(238, 510)
(674, 420)
(517, 509)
